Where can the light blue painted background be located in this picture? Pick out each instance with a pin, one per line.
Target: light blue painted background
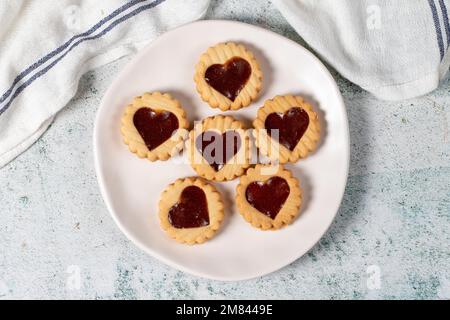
(395, 213)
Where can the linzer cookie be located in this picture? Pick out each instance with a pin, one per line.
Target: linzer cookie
(287, 129)
(228, 76)
(218, 148)
(268, 197)
(154, 126)
(191, 210)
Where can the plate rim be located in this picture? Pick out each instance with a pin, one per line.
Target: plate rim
(100, 176)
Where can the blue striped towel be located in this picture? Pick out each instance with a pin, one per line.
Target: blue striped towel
(396, 49)
(46, 45)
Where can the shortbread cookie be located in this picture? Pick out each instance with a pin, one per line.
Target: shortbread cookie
(154, 126)
(218, 148)
(191, 210)
(287, 129)
(228, 76)
(268, 197)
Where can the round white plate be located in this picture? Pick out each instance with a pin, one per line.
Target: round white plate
(131, 186)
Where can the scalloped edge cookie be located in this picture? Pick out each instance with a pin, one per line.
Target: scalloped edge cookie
(170, 196)
(232, 168)
(288, 212)
(133, 139)
(272, 149)
(219, 54)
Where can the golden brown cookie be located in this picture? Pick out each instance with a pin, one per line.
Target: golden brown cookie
(218, 148)
(228, 76)
(268, 197)
(287, 129)
(154, 126)
(191, 210)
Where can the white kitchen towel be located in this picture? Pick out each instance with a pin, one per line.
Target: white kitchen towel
(395, 49)
(46, 45)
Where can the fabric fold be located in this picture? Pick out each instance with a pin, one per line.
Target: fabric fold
(394, 49)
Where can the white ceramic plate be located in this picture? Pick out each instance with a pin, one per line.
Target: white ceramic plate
(131, 186)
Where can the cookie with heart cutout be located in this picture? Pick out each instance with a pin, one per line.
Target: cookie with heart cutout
(218, 148)
(191, 210)
(268, 197)
(286, 129)
(228, 76)
(154, 126)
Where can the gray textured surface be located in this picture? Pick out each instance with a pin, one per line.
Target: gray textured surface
(395, 214)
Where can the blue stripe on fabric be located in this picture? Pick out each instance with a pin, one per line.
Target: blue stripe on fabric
(105, 31)
(437, 26)
(446, 22)
(58, 50)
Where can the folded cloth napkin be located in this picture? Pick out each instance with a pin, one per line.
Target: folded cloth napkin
(46, 45)
(393, 49)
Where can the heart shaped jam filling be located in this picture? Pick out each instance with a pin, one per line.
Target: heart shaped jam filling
(291, 126)
(268, 197)
(229, 78)
(155, 127)
(218, 148)
(191, 211)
